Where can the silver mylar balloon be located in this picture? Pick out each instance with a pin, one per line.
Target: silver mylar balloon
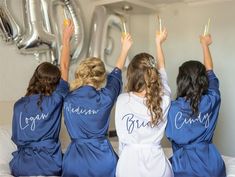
(59, 10)
(47, 13)
(9, 29)
(36, 39)
(73, 12)
(101, 43)
(46, 8)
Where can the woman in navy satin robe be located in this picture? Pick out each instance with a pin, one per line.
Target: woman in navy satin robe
(86, 112)
(37, 119)
(192, 119)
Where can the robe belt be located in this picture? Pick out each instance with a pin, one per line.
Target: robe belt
(49, 143)
(88, 140)
(191, 145)
(142, 145)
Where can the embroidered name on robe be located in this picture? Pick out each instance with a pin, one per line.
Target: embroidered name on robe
(31, 121)
(79, 110)
(132, 123)
(181, 121)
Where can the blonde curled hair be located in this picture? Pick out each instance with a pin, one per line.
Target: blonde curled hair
(143, 75)
(91, 71)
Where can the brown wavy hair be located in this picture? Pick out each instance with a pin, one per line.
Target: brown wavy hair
(142, 75)
(44, 81)
(91, 71)
(192, 83)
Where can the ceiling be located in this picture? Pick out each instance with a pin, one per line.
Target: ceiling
(147, 6)
(148, 2)
(156, 2)
(137, 6)
(160, 2)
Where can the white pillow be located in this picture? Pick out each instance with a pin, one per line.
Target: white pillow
(6, 149)
(230, 165)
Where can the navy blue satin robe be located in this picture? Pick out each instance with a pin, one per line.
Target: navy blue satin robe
(194, 154)
(86, 112)
(36, 134)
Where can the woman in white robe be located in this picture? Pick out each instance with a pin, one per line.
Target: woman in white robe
(140, 117)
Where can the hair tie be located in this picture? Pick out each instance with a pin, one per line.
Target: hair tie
(152, 62)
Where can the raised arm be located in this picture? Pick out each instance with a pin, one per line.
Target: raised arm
(205, 42)
(65, 53)
(160, 38)
(126, 44)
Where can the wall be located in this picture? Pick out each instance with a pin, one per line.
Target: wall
(185, 24)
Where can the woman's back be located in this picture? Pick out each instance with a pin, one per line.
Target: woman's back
(133, 118)
(38, 124)
(202, 125)
(36, 134)
(140, 148)
(192, 136)
(87, 110)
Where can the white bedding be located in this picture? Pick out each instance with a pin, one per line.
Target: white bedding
(7, 147)
(230, 165)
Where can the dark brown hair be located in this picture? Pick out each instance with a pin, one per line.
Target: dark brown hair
(192, 83)
(44, 81)
(143, 75)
